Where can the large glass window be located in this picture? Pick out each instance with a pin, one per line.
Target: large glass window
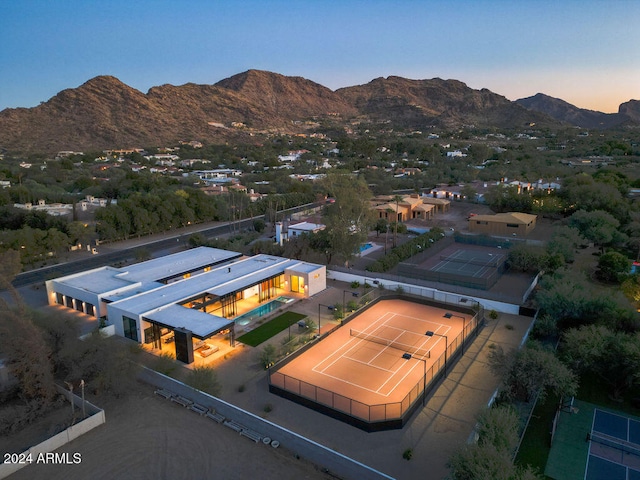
(130, 328)
(297, 284)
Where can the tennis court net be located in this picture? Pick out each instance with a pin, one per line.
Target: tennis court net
(617, 443)
(483, 262)
(405, 347)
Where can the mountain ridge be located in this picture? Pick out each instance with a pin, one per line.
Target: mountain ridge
(105, 113)
(582, 117)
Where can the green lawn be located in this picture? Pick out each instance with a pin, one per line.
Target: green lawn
(271, 328)
(535, 446)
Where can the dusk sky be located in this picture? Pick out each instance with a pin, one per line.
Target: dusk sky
(586, 52)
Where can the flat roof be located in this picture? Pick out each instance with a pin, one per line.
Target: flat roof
(145, 274)
(177, 263)
(99, 280)
(306, 226)
(304, 267)
(219, 281)
(201, 324)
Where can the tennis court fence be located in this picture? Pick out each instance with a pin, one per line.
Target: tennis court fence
(371, 417)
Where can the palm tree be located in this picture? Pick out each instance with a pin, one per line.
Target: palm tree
(397, 199)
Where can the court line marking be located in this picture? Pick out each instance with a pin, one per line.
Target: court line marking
(370, 364)
(381, 321)
(341, 351)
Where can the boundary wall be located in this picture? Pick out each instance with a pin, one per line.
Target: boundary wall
(426, 292)
(95, 419)
(331, 461)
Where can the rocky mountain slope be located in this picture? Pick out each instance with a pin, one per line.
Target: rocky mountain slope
(420, 103)
(105, 113)
(629, 112)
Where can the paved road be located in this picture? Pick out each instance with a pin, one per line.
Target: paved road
(155, 245)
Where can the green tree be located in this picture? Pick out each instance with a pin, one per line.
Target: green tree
(491, 457)
(613, 267)
(532, 370)
(470, 193)
(572, 301)
(613, 356)
(598, 226)
(525, 258)
(564, 241)
(268, 355)
(349, 218)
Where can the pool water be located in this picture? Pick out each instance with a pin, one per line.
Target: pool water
(262, 310)
(365, 246)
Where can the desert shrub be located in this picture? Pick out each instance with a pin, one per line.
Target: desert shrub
(204, 379)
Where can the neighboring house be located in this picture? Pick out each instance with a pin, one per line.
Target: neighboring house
(54, 209)
(511, 223)
(453, 192)
(192, 295)
(285, 233)
(408, 208)
(91, 201)
(456, 154)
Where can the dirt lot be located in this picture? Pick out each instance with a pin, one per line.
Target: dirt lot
(148, 437)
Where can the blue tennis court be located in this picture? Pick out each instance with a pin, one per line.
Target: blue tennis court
(614, 448)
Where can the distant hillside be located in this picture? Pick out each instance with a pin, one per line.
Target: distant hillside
(418, 103)
(105, 113)
(580, 117)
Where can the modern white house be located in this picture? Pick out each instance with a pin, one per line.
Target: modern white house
(186, 297)
(284, 234)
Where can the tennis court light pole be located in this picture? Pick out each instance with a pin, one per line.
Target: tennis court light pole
(449, 315)
(344, 305)
(429, 333)
(408, 356)
(329, 307)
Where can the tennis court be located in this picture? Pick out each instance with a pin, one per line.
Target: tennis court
(591, 443)
(469, 266)
(471, 263)
(614, 448)
(378, 364)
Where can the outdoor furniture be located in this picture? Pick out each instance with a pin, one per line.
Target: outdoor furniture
(255, 436)
(208, 350)
(164, 393)
(199, 409)
(180, 400)
(216, 417)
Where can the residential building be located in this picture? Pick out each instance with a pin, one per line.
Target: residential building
(511, 223)
(187, 297)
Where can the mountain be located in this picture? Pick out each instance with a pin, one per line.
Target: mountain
(289, 97)
(105, 113)
(581, 117)
(447, 103)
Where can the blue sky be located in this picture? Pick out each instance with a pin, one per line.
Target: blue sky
(586, 52)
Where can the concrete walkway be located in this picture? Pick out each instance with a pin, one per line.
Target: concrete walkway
(444, 424)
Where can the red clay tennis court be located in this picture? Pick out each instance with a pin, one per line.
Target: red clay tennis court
(376, 366)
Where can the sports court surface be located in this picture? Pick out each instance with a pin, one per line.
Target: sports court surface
(460, 264)
(592, 444)
(473, 263)
(614, 449)
(365, 363)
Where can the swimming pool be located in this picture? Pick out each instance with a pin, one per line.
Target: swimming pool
(365, 246)
(262, 310)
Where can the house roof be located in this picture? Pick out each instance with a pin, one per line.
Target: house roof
(509, 217)
(306, 226)
(435, 201)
